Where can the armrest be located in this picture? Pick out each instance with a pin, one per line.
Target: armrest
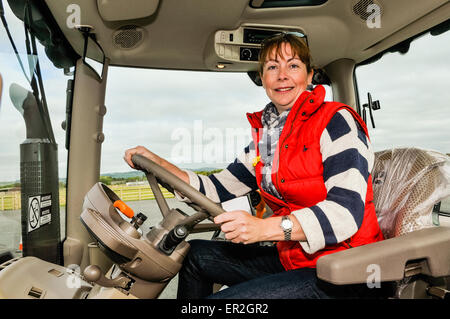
(351, 266)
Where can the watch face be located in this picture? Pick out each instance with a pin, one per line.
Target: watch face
(286, 224)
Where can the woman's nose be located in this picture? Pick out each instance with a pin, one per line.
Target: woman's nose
(282, 74)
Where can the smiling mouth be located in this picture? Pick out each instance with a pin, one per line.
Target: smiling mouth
(286, 89)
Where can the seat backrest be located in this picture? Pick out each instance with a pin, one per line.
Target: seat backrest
(407, 183)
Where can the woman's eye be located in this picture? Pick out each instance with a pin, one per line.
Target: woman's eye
(295, 66)
(271, 67)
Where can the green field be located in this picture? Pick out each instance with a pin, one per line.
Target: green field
(11, 200)
(140, 192)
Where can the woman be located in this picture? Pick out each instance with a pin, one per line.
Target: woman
(311, 160)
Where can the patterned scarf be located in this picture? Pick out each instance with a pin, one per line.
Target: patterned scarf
(273, 124)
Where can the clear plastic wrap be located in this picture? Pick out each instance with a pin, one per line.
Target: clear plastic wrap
(407, 183)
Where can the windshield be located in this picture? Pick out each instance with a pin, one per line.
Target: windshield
(197, 120)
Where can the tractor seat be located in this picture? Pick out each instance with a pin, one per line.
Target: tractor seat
(407, 183)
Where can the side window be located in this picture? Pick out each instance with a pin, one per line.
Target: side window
(329, 93)
(13, 130)
(413, 91)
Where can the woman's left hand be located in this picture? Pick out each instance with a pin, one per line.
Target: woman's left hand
(240, 227)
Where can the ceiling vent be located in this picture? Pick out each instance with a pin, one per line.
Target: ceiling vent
(128, 37)
(363, 11)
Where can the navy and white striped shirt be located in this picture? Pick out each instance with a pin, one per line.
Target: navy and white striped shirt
(347, 158)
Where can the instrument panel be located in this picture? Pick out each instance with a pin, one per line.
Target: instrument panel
(244, 43)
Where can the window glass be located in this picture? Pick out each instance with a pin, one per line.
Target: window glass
(194, 119)
(13, 132)
(413, 91)
(328, 92)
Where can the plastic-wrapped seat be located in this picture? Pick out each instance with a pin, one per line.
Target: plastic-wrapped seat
(407, 184)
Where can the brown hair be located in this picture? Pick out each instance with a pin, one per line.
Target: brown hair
(297, 44)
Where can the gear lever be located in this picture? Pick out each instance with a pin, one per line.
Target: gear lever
(94, 274)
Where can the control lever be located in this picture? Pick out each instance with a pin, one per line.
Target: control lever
(94, 274)
(124, 208)
(135, 222)
(173, 238)
(138, 220)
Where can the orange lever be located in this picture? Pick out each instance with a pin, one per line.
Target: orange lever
(261, 207)
(124, 208)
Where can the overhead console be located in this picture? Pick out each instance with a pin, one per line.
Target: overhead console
(120, 10)
(244, 43)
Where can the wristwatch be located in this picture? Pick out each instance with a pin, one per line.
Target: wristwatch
(286, 226)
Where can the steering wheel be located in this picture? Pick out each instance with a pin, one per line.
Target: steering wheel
(150, 259)
(205, 207)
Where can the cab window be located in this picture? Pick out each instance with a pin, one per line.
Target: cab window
(413, 92)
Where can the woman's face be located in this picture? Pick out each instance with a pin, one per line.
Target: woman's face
(284, 77)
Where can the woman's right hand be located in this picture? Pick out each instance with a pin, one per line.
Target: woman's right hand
(141, 150)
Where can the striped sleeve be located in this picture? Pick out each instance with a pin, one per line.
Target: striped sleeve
(236, 180)
(347, 158)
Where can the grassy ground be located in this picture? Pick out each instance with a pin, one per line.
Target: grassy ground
(11, 200)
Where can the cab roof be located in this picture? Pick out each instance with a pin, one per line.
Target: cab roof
(195, 34)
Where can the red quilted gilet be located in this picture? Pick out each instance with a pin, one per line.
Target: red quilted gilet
(298, 174)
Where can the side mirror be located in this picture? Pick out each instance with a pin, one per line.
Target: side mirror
(371, 105)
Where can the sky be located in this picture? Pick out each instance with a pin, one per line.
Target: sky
(197, 119)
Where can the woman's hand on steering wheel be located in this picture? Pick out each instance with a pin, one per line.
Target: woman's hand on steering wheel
(141, 150)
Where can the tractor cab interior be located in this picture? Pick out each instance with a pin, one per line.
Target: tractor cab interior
(114, 258)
